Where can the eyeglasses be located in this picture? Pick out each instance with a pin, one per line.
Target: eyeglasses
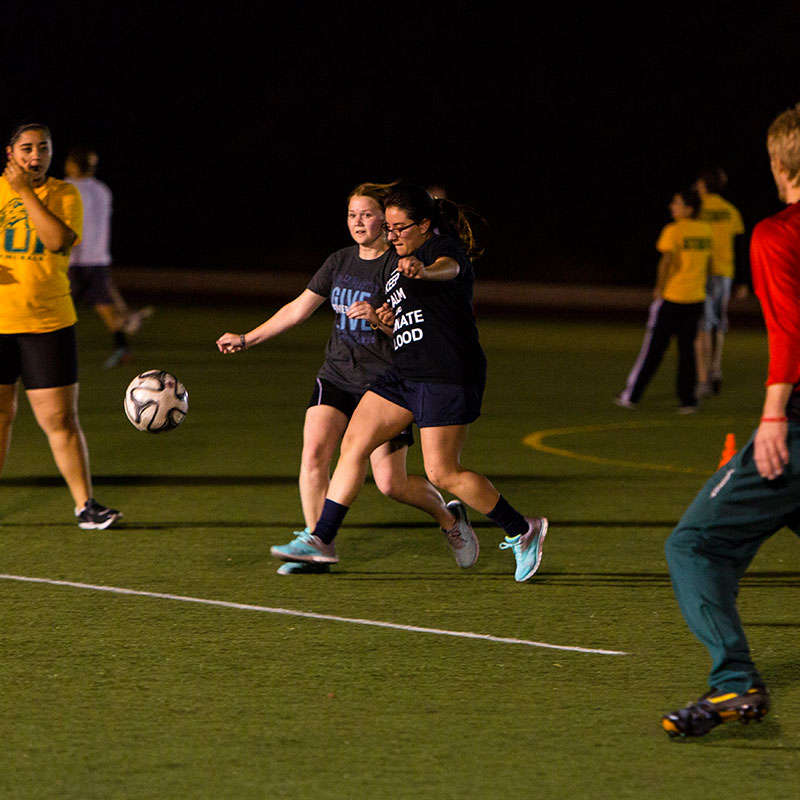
(398, 230)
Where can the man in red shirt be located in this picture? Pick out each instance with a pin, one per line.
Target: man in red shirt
(758, 492)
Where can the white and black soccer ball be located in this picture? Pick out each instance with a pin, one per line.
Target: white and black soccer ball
(156, 401)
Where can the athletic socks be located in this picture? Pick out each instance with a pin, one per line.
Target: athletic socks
(503, 514)
(508, 518)
(332, 516)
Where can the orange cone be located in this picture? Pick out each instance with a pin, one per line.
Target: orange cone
(728, 451)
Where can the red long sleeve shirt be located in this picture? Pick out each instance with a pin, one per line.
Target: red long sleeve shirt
(775, 264)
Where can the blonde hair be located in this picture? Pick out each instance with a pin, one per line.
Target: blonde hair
(783, 141)
(375, 191)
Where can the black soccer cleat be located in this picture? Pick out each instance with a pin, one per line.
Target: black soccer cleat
(714, 708)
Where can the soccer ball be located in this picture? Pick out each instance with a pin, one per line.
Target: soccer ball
(156, 401)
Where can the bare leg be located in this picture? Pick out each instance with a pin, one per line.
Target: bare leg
(322, 432)
(120, 306)
(441, 451)
(56, 411)
(716, 361)
(111, 318)
(703, 350)
(392, 478)
(374, 422)
(8, 410)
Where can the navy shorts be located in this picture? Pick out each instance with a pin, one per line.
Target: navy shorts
(90, 286)
(328, 394)
(432, 404)
(42, 360)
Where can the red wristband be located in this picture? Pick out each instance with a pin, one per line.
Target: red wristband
(774, 419)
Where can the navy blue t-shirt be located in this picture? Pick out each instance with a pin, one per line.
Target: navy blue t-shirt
(435, 337)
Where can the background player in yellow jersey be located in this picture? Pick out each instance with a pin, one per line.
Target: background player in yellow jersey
(726, 224)
(41, 218)
(678, 297)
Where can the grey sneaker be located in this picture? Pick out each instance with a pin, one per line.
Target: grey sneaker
(307, 548)
(461, 538)
(94, 517)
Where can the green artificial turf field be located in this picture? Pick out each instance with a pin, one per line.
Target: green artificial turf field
(151, 694)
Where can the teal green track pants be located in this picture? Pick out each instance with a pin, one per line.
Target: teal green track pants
(714, 543)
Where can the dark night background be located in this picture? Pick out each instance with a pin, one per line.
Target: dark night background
(231, 133)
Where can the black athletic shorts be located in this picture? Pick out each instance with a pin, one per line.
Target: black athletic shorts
(328, 394)
(90, 286)
(42, 360)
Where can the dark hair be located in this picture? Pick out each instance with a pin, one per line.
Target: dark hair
(84, 157)
(445, 215)
(691, 197)
(28, 126)
(715, 179)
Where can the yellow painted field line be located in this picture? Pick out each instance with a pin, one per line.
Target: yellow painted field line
(536, 441)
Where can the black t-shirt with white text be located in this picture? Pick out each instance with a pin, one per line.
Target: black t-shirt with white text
(435, 337)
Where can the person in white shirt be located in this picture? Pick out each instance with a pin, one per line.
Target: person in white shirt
(90, 263)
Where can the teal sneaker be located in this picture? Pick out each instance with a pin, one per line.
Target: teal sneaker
(527, 548)
(302, 568)
(306, 547)
(461, 538)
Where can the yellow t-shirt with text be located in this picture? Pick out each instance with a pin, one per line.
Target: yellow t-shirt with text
(690, 242)
(34, 286)
(726, 224)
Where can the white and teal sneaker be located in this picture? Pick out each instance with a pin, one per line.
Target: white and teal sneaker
(527, 548)
(461, 538)
(307, 548)
(302, 568)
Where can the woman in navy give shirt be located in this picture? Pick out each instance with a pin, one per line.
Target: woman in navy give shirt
(357, 352)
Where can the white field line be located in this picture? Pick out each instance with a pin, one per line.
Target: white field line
(308, 615)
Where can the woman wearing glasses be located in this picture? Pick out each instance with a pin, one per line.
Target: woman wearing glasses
(436, 379)
(358, 351)
(42, 218)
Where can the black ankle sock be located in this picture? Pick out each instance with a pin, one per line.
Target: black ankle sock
(120, 340)
(333, 514)
(508, 518)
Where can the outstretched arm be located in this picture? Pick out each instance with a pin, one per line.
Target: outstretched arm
(443, 269)
(293, 313)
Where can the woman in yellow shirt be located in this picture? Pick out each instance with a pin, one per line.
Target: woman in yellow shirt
(40, 220)
(678, 298)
